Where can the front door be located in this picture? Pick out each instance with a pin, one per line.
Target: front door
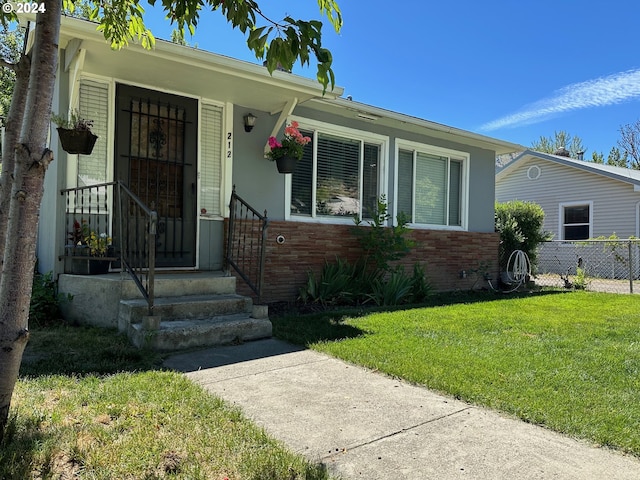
(156, 157)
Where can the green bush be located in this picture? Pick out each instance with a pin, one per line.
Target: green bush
(371, 278)
(44, 309)
(395, 289)
(520, 226)
(380, 243)
(332, 287)
(420, 287)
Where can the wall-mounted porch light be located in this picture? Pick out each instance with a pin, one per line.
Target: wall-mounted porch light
(249, 122)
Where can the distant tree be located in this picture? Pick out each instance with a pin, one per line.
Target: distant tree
(177, 37)
(629, 142)
(10, 49)
(559, 140)
(616, 159)
(597, 157)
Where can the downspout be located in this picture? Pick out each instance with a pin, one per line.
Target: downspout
(284, 113)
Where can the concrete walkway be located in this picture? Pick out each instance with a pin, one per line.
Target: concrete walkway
(363, 425)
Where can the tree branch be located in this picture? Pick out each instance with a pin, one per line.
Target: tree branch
(9, 65)
(254, 6)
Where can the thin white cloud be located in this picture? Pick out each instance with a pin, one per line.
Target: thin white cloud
(600, 92)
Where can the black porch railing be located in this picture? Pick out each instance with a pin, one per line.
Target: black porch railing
(108, 224)
(246, 243)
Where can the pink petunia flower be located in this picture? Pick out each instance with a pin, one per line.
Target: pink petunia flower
(274, 143)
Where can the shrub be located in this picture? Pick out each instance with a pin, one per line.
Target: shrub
(371, 278)
(333, 286)
(393, 290)
(520, 226)
(380, 243)
(580, 281)
(44, 309)
(420, 287)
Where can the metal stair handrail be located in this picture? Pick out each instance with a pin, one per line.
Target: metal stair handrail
(136, 229)
(246, 243)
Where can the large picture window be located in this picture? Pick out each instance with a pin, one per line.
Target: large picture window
(338, 176)
(576, 221)
(431, 187)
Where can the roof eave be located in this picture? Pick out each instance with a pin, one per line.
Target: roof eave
(305, 87)
(572, 163)
(364, 111)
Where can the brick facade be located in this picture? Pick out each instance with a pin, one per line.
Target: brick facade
(444, 254)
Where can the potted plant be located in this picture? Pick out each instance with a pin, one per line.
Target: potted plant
(75, 133)
(287, 153)
(88, 250)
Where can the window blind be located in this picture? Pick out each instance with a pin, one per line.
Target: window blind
(302, 180)
(431, 181)
(211, 164)
(370, 174)
(337, 184)
(405, 183)
(94, 105)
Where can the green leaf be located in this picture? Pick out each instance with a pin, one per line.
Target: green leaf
(331, 9)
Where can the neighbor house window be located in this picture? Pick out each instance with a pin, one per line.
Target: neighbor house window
(338, 176)
(431, 186)
(575, 221)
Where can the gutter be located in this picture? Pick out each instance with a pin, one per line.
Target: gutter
(369, 112)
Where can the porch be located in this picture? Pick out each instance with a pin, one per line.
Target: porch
(166, 309)
(191, 309)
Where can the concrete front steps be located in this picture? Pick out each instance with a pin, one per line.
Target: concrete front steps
(191, 309)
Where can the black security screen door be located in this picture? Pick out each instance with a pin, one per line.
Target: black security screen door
(156, 145)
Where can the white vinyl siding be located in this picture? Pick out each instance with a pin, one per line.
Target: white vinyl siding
(431, 187)
(338, 176)
(94, 106)
(614, 203)
(211, 161)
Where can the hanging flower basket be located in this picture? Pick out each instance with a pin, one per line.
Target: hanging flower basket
(287, 153)
(77, 141)
(286, 164)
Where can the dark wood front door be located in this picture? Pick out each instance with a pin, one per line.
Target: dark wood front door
(156, 156)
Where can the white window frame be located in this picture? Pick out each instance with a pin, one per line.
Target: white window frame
(561, 224)
(347, 133)
(451, 154)
(225, 171)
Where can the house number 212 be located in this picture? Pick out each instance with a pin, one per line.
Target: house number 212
(229, 145)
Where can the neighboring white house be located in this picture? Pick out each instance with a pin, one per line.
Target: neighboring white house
(581, 200)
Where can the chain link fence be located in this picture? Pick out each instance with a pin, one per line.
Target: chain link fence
(611, 265)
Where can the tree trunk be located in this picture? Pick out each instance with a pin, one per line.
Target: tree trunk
(11, 136)
(32, 160)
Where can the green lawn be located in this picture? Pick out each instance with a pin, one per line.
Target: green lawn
(90, 406)
(568, 361)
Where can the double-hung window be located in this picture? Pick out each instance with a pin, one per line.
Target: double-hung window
(339, 174)
(431, 186)
(576, 221)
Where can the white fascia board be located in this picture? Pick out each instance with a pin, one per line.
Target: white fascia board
(369, 112)
(78, 28)
(620, 174)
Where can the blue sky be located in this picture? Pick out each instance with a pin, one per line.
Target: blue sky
(510, 69)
